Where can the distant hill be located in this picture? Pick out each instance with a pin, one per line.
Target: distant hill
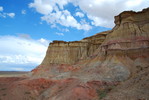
(12, 73)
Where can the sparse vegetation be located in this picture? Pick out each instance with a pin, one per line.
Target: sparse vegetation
(101, 93)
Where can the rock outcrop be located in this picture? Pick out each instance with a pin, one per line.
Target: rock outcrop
(61, 52)
(130, 36)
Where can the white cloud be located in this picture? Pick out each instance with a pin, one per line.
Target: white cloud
(100, 12)
(4, 15)
(97, 21)
(54, 13)
(60, 34)
(132, 3)
(44, 41)
(11, 14)
(21, 51)
(23, 12)
(103, 11)
(66, 19)
(42, 6)
(79, 14)
(1, 8)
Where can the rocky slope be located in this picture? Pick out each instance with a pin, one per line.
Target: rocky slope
(112, 65)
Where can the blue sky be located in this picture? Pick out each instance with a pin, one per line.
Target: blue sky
(27, 26)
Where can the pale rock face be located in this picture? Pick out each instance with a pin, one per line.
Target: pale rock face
(61, 52)
(131, 32)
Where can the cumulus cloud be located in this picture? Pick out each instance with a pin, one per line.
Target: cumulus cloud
(102, 12)
(60, 34)
(54, 13)
(99, 12)
(21, 51)
(43, 7)
(4, 14)
(64, 18)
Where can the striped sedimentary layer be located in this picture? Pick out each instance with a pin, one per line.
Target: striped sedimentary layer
(61, 52)
(130, 34)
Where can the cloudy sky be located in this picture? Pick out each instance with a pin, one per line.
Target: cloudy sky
(27, 26)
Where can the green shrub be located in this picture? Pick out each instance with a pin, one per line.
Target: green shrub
(101, 93)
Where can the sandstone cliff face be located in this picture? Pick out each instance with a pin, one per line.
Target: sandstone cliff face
(130, 34)
(61, 52)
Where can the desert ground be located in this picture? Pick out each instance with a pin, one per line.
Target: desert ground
(12, 73)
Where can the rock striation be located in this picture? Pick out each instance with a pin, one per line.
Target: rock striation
(61, 52)
(130, 34)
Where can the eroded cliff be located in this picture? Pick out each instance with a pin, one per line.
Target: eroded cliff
(130, 36)
(97, 63)
(61, 52)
